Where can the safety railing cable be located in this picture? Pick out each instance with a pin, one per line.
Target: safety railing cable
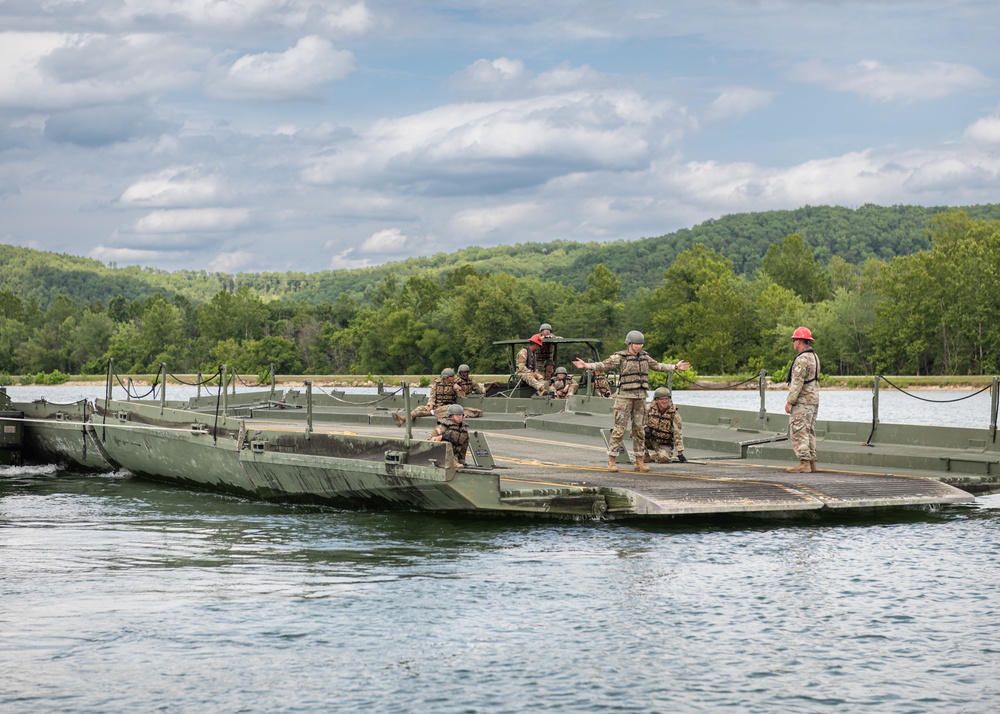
(152, 389)
(205, 381)
(382, 398)
(699, 385)
(240, 379)
(936, 401)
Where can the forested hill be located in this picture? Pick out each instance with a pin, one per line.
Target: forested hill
(852, 234)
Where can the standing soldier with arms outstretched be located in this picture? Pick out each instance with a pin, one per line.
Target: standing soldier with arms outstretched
(633, 365)
(803, 401)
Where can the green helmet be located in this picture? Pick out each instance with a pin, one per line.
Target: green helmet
(447, 372)
(545, 326)
(463, 368)
(634, 338)
(662, 393)
(560, 370)
(455, 409)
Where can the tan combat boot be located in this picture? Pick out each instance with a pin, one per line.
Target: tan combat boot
(398, 418)
(640, 465)
(804, 467)
(612, 464)
(812, 467)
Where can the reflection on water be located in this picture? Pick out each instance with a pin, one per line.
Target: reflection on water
(122, 595)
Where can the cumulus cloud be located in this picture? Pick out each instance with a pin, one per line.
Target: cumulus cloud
(188, 220)
(172, 187)
(476, 222)
(103, 125)
(475, 147)
(736, 102)
(505, 77)
(985, 130)
(133, 256)
(296, 73)
(62, 70)
(908, 81)
(230, 262)
(388, 241)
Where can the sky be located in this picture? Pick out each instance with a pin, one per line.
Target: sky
(306, 135)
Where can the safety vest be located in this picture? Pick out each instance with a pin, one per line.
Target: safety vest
(815, 360)
(444, 394)
(661, 423)
(634, 371)
(454, 433)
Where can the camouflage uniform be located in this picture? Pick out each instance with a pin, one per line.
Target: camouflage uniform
(601, 386)
(468, 385)
(527, 370)
(664, 431)
(456, 434)
(630, 402)
(562, 383)
(547, 350)
(442, 396)
(803, 395)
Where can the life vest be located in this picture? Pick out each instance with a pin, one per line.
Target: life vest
(455, 434)
(634, 371)
(661, 423)
(444, 394)
(791, 367)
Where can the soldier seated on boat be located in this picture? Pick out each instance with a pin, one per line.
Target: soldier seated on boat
(451, 428)
(548, 372)
(466, 383)
(444, 392)
(527, 365)
(663, 428)
(562, 383)
(547, 349)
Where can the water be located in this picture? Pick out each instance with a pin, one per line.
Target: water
(122, 595)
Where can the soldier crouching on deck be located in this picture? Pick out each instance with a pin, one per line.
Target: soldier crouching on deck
(633, 365)
(451, 428)
(803, 401)
(562, 384)
(444, 392)
(663, 428)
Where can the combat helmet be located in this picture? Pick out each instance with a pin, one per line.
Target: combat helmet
(456, 410)
(634, 338)
(447, 372)
(561, 370)
(662, 393)
(463, 368)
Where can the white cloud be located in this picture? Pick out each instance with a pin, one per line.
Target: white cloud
(185, 220)
(231, 262)
(296, 73)
(908, 81)
(343, 261)
(476, 222)
(134, 256)
(985, 130)
(505, 77)
(173, 187)
(58, 70)
(736, 102)
(388, 241)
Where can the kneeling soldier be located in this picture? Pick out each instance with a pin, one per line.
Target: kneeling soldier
(562, 383)
(663, 428)
(444, 392)
(452, 429)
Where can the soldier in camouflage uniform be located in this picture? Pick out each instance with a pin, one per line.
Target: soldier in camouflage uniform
(562, 384)
(663, 425)
(527, 365)
(633, 365)
(444, 392)
(466, 383)
(451, 428)
(546, 351)
(803, 401)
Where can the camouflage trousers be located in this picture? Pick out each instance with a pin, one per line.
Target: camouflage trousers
(802, 431)
(664, 450)
(533, 380)
(442, 411)
(626, 409)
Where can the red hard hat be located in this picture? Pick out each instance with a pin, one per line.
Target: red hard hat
(802, 333)
(537, 339)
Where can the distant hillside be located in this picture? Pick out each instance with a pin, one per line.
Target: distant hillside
(853, 234)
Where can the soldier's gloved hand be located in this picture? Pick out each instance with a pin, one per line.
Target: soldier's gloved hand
(682, 458)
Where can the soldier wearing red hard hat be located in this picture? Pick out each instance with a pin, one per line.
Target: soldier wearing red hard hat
(527, 365)
(803, 401)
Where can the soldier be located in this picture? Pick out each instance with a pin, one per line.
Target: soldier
(466, 383)
(562, 383)
(633, 365)
(803, 401)
(451, 428)
(547, 350)
(663, 428)
(600, 382)
(527, 365)
(444, 392)
(548, 372)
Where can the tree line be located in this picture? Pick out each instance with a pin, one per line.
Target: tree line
(929, 313)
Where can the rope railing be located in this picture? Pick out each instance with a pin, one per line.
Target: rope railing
(708, 386)
(937, 401)
(128, 390)
(240, 379)
(206, 381)
(382, 398)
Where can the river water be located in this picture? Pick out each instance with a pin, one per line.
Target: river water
(122, 595)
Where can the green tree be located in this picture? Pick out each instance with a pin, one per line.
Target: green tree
(792, 265)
